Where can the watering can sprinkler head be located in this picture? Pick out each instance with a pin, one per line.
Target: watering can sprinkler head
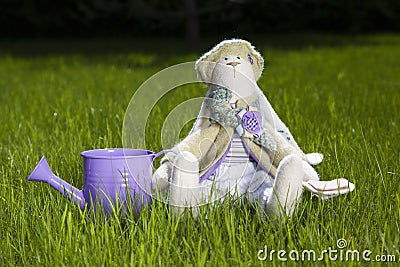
(43, 173)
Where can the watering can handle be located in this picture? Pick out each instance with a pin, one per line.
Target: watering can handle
(163, 152)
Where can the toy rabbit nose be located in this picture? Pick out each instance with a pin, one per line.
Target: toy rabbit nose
(233, 64)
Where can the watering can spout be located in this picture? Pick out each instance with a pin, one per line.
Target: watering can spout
(43, 173)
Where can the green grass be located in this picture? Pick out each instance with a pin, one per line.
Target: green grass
(339, 95)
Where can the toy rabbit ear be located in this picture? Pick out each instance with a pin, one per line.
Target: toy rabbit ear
(204, 69)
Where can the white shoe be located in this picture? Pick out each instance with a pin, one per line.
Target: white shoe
(328, 189)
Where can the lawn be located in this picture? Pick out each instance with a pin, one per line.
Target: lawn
(340, 95)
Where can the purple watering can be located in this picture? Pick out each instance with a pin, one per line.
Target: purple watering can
(119, 177)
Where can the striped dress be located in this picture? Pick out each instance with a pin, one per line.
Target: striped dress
(237, 153)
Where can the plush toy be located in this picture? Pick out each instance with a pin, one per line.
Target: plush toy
(238, 144)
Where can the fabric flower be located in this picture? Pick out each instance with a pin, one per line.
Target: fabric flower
(252, 121)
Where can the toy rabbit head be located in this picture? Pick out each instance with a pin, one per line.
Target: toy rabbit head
(230, 60)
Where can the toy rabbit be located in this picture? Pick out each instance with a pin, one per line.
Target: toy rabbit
(238, 144)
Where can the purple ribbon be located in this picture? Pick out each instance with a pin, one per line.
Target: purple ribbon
(250, 58)
(251, 121)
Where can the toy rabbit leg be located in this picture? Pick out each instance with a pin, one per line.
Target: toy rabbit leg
(287, 187)
(184, 188)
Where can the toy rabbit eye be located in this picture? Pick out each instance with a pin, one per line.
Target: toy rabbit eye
(238, 57)
(226, 58)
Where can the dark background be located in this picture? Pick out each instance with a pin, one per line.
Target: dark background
(193, 19)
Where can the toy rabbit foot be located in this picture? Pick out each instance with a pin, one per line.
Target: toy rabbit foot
(184, 188)
(287, 187)
(328, 189)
